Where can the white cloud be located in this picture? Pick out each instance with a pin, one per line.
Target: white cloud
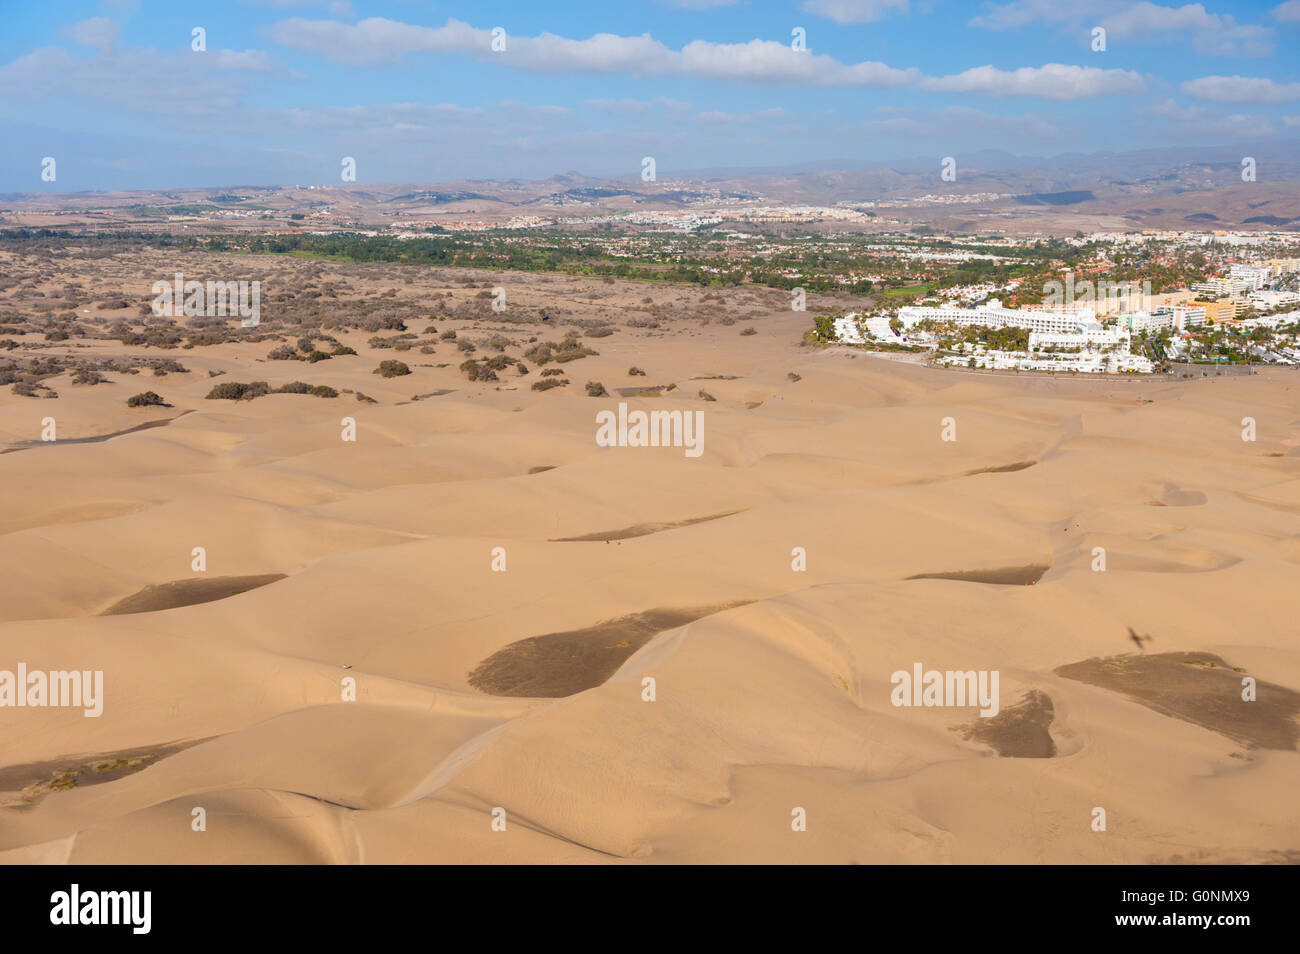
(99, 33)
(1288, 12)
(247, 60)
(619, 107)
(1241, 89)
(1142, 22)
(854, 11)
(379, 41)
(1168, 109)
(1054, 81)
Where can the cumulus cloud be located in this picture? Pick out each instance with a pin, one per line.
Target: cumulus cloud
(1053, 81)
(1241, 89)
(378, 41)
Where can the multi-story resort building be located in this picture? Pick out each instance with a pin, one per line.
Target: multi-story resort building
(994, 315)
(1057, 342)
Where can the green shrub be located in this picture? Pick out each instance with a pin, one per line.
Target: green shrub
(238, 391)
(146, 399)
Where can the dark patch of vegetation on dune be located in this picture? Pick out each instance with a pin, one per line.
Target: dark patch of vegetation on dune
(1200, 688)
(161, 596)
(1019, 731)
(1003, 576)
(565, 663)
(23, 786)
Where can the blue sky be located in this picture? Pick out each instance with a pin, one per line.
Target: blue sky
(415, 93)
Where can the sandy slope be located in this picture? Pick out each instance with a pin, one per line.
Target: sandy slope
(779, 703)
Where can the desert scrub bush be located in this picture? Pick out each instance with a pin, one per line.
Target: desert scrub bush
(316, 356)
(323, 391)
(294, 387)
(478, 372)
(497, 362)
(547, 383)
(342, 350)
(596, 389)
(794, 377)
(634, 372)
(88, 376)
(466, 345)
(748, 331)
(282, 353)
(146, 399)
(552, 373)
(521, 367)
(572, 350)
(496, 343)
(604, 331)
(539, 353)
(449, 335)
(391, 369)
(238, 391)
(706, 396)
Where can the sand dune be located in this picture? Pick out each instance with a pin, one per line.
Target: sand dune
(497, 589)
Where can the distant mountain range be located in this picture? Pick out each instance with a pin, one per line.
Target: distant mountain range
(1169, 188)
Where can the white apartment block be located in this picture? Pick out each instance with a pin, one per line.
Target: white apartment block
(1265, 300)
(1257, 274)
(993, 315)
(1227, 286)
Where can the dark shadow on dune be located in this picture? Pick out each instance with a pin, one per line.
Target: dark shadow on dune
(1199, 688)
(1019, 731)
(541, 468)
(1003, 576)
(642, 529)
(654, 390)
(23, 786)
(162, 596)
(561, 664)
(147, 425)
(1003, 468)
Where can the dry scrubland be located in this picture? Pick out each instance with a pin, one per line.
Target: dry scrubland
(522, 689)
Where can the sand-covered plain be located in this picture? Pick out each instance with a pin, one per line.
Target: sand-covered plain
(522, 689)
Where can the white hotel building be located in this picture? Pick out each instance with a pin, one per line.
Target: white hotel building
(994, 315)
(1099, 349)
